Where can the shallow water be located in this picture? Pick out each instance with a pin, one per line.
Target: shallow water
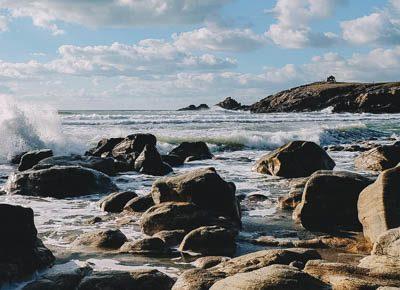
(237, 139)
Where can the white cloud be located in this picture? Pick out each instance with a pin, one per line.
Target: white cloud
(112, 13)
(293, 30)
(217, 38)
(381, 27)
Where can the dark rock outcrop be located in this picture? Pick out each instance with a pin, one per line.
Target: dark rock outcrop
(105, 146)
(108, 239)
(191, 151)
(342, 97)
(173, 160)
(231, 104)
(115, 202)
(31, 158)
(203, 187)
(329, 201)
(379, 158)
(195, 108)
(150, 162)
(379, 204)
(295, 159)
(21, 252)
(59, 182)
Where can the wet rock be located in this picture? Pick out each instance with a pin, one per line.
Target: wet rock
(173, 216)
(31, 158)
(149, 162)
(173, 160)
(133, 144)
(151, 246)
(104, 146)
(171, 238)
(105, 165)
(102, 239)
(210, 240)
(16, 159)
(22, 252)
(115, 202)
(329, 201)
(379, 204)
(139, 204)
(260, 259)
(277, 277)
(195, 108)
(388, 243)
(203, 187)
(59, 182)
(115, 280)
(95, 220)
(291, 201)
(380, 158)
(231, 104)
(295, 159)
(194, 150)
(197, 279)
(209, 261)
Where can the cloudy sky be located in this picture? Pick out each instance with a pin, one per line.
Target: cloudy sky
(164, 54)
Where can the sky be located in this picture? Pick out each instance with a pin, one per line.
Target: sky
(166, 54)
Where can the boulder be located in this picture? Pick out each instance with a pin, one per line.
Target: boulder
(171, 238)
(379, 204)
(203, 187)
(105, 165)
(197, 279)
(380, 158)
(16, 158)
(139, 204)
(150, 246)
(209, 261)
(382, 266)
(388, 243)
(21, 252)
(173, 216)
(274, 277)
(210, 240)
(102, 239)
(104, 146)
(115, 202)
(59, 182)
(231, 104)
(149, 162)
(194, 150)
(173, 160)
(195, 108)
(138, 279)
(295, 159)
(329, 201)
(134, 144)
(31, 158)
(291, 201)
(260, 259)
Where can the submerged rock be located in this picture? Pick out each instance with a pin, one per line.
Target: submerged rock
(115, 202)
(379, 204)
(295, 159)
(380, 158)
(21, 252)
(210, 240)
(203, 187)
(150, 162)
(59, 182)
(31, 158)
(192, 151)
(108, 239)
(329, 201)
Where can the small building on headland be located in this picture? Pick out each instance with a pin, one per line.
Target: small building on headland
(331, 79)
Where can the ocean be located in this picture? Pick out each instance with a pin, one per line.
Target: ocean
(237, 139)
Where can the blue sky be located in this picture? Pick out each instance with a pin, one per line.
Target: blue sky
(164, 54)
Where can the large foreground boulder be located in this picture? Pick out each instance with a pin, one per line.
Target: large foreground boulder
(31, 158)
(21, 252)
(379, 158)
(274, 277)
(379, 204)
(105, 165)
(295, 159)
(104, 146)
(329, 201)
(59, 182)
(191, 151)
(203, 187)
(150, 162)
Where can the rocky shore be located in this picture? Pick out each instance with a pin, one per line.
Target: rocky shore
(199, 215)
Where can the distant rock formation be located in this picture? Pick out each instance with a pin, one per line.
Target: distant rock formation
(341, 97)
(231, 104)
(194, 108)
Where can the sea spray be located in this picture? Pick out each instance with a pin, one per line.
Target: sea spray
(25, 126)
